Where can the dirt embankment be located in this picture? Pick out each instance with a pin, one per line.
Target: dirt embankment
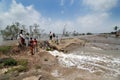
(67, 45)
(39, 67)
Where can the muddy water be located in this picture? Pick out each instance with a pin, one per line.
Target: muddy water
(103, 65)
(101, 60)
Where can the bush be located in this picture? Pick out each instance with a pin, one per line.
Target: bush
(38, 67)
(18, 69)
(83, 33)
(6, 62)
(22, 69)
(20, 65)
(89, 33)
(22, 62)
(48, 49)
(5, 49)
(10, 62)
(23, 65)
(1, 65)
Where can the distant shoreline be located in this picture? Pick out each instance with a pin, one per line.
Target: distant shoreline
(90, 38)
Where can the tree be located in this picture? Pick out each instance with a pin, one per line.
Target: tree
(88, 33)
(17, 23)
(35, 31)
(116, 29)
(10, 31)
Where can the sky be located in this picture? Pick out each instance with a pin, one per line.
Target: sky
(82, 16)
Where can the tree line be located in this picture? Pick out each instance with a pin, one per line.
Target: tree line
(12, 31)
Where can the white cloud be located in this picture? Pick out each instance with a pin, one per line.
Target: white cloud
(28, 15)
(62, 12)
(62, 2)
(92, 20)
(100, 5)
(99, 18)
(18, 13)
(1, 6)
(71, 2)
(57, 26)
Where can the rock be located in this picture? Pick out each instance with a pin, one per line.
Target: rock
(2, 71)
(40, 77)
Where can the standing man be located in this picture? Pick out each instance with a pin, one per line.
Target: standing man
(54, 37)
(50, 35)
(34, 45)
(31, 46)
(21, 38)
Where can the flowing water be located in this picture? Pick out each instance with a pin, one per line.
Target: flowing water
(92, 62)
(102, 59)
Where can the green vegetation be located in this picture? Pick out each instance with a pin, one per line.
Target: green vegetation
(6, 62)
(83, 33)
(18, 69)
(1, 65)
(22, 69)
(89, 33)
(11, 31)
(22, 62)
(116, 31)
(48, 49)
(10, 62)
(116, 28)
(38, 66)
(19, 66)
(5, 49)
(22, 66)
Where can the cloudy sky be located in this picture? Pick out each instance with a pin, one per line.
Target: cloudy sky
(52, 15)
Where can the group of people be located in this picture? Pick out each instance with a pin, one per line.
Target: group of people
(53, 37)
(26, 41)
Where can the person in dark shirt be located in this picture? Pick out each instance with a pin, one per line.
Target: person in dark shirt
(54, 37)
(35, 45)
(31, 46)
(50, 35)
